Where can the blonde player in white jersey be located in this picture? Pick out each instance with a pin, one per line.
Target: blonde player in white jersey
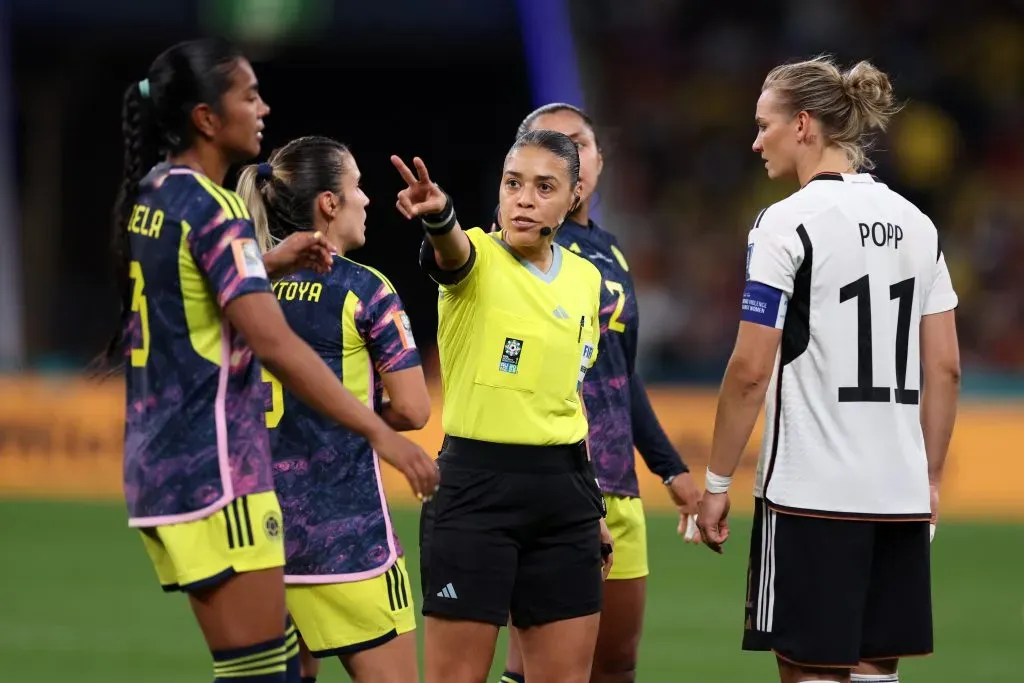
(847, 299)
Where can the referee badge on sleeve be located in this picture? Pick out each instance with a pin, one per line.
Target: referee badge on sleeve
(510, 354)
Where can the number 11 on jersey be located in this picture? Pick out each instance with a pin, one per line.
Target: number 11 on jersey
(866, 391)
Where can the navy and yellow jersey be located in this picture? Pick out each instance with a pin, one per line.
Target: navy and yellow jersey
(617, 406)
(337, 524)
(515, 343)
(194, 433)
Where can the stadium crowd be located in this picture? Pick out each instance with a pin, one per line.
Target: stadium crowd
(675, 85)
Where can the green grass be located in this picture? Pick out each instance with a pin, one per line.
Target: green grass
(79, 603)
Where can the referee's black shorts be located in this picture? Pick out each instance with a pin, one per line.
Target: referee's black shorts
(829, 593)
(513, 530)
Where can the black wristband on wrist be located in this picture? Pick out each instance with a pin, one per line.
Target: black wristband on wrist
(442, 223)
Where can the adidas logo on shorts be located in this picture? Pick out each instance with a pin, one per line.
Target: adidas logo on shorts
(448, 592)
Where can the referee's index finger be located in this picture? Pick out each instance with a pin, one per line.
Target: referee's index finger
(403, 170)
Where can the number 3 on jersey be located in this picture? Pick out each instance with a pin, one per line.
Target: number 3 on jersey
(276, 411)
(140, 355)
(614, 324)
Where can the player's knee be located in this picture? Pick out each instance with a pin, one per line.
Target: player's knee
(622, 671)
(879, 670)
(615, 665)
(455, 672)
(272, 661)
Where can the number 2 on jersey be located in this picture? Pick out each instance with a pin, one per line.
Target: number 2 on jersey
(276, 412)
(140, 355)
(866, 391)
(615, 324)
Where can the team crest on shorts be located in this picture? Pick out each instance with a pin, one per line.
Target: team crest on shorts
(272, 525)
(510, 354)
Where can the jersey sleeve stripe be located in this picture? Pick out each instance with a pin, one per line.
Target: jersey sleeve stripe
(212, 189)
(796, 331)
(230, 197)
(236, 202)
(757, 221)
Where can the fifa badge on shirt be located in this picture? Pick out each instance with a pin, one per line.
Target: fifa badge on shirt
(248, 260)
(510, 355)
(588, 352)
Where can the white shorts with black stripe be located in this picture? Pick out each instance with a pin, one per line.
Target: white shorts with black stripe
(824, 592)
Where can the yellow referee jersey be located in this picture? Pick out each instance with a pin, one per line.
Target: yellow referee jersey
(515, 344)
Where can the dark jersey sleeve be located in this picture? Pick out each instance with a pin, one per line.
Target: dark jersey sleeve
(649, 438)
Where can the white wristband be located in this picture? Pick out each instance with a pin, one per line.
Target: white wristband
(715, 483)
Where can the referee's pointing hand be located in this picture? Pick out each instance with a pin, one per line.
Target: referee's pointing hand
(422, 196)
(410, 460)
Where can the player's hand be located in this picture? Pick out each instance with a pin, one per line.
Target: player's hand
(304, 250)
(419, 468)
(422, 196)
(713, 520)
(606, 539)
(686, 496)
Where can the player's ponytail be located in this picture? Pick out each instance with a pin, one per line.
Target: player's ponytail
(251, 180)
(281, 192)
(870, 93)
(141, 152)
(850, 105)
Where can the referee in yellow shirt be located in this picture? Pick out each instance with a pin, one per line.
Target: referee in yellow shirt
(516, 527)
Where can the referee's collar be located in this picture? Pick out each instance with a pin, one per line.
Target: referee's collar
(548, 277)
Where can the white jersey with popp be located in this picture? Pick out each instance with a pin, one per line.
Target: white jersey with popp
(846, 268)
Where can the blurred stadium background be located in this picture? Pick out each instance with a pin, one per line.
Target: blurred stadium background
(672, 85)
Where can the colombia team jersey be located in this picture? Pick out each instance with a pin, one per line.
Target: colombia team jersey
(194, 433)
(337, 526)
(607, 389)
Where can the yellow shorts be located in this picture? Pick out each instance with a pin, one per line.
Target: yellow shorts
(346, 618)
(628, 525)
(245, 536)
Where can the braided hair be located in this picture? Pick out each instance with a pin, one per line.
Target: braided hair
(156, 120)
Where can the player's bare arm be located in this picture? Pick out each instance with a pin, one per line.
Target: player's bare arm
(423, 199)
(260, 320)
(940, 359)
(739, 402)
(408, 404)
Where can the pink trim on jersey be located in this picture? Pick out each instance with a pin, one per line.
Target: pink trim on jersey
(181, 171)
(392, 551)
(220, 420)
